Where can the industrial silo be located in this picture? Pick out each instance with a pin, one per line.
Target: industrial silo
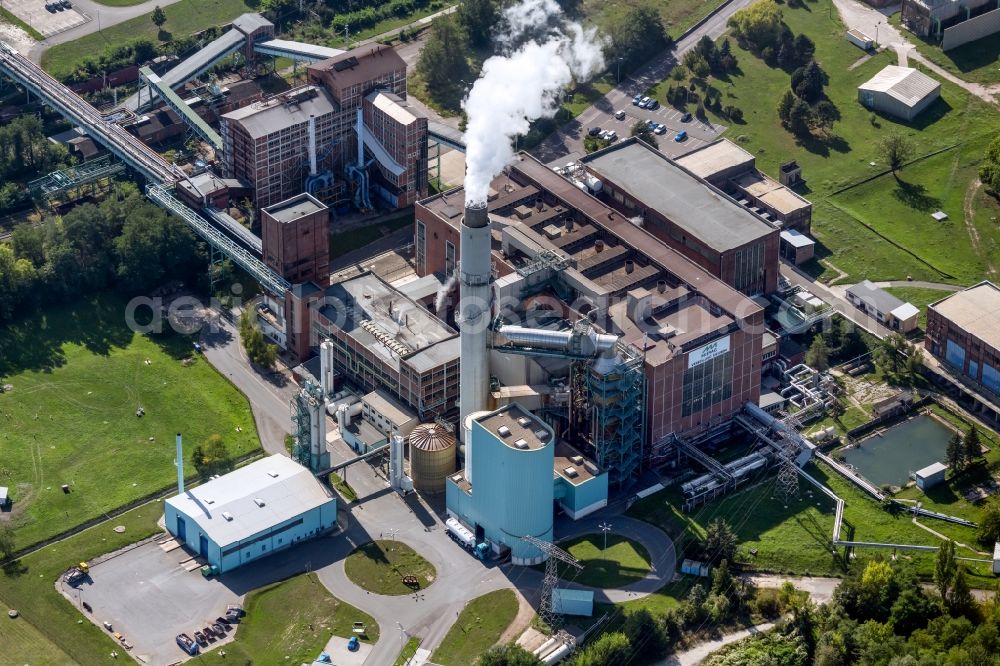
(432, 457)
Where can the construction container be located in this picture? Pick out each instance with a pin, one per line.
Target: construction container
(432, 457)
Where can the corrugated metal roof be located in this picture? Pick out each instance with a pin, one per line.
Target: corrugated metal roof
(285, 490)
(868, 293)
(905, 84)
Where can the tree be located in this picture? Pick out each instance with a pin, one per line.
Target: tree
(808, 81)
(800, 118)
(6, 541)
(608, 650)
(896, 149)
(644, 633)
(210, 456)
(158, 17)
(641, 130)
(912, 610)
(954, 455)
(989, 525)
(785, 107)
(804, 48)
(734, 113)
(960, 600)
(824, 114)
(442, 63)
(634, 35)
(720, 541)
(818, 356)
(758, 25)
(891, 353)
(989, 171)
(508, 655)
(971, 446)
(477, 18)
(944, 568)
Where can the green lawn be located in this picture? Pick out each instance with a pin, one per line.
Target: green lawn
(477, 628)
(408, 650)
(899, 208)
(977, 61)
(6, 16)
(677, 15)
(183, 18)
(379, 567)
(586, 94)
(290, 622)
(844, 157)
(347, 241)
(918, 297)
(119, 3)
(625, 561)
(22, 643)
(78, 375)
(342, 487)
(27, 585)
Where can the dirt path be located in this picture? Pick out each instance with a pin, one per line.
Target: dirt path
(970, 195)
(525, 614)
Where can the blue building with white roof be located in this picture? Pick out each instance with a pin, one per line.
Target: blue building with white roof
(251, 512)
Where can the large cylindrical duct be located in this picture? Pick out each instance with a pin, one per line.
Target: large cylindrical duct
(474, 310)
(312, 145)
(326, 370)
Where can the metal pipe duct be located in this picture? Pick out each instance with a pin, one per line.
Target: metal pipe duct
(591, 344)
(180, 466)
(312, 145)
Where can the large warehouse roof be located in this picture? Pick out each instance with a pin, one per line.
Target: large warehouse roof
(251, 499)
(905, 84)
(975, 310)
(283, 111)
(690, 203)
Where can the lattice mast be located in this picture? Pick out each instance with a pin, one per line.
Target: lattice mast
(551, 579)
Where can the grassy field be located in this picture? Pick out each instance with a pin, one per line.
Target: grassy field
(342, 487)
(379, 567)
(7, 16)
(119, 3)
(78, 375)
(183, 18)
(290, 622)
(677, 15)
(27, 585)
(347, 241)
(625, 561)
(977, 61)
(22, 643)
(477, 628)
(899, 208)
(845, 156)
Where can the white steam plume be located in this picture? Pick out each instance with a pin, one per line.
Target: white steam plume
(521, 86)
(442, 293)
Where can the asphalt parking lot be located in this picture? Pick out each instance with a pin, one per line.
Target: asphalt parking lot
(149, 598)
(34, 13)
(699, 133)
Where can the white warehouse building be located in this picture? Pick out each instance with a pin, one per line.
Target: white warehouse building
(251, 512)
(902, 92)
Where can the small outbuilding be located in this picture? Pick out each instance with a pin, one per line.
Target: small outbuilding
(573, 602)
(796, 247)
(902, 92)
(890, 311)
(4, 498)
(930, 476)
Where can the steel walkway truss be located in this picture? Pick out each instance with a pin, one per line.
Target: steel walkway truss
(63, 180)
(181, 108)
(117, 140)
(162, 196)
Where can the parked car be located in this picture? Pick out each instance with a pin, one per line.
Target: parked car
(200, 638)
(594, 131)
(611, 135)
(620, 114)
(67, 4)
(353, 643)
(660, 129)
(686, 118)
(636, 100)
(644, 103)
(681, 136)
(220, 630)
(653, 104)
(197, 347)
(51, 6)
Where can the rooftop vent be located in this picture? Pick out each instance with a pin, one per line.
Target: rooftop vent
(524, 421)
(272, 474)
(503, 431)
(209, 500)
(571, 472)
(590, 467)
(542, 434)
(258, 501)
(521, 443)
(576, 460)
(227, 515)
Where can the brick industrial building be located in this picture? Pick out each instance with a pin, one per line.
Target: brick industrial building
(303, 139)
(296, 239)
(963, 330)
(688, 214)
(560, 253)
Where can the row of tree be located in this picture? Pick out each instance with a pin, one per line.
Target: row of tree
(25, 150)
(125, 243)
(257, 347)
(989, 170)
(963, 450)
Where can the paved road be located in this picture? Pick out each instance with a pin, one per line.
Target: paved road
(838, 302)
(569, 139)
(700, 652)
(101, 16)
(919, 284)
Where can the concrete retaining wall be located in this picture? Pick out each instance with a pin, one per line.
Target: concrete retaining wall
(981, 26)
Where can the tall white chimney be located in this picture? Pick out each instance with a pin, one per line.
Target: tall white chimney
(180, 466)
(474, 310)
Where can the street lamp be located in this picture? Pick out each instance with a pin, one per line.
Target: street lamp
(877, 24)
(605, 527)
(392, 533)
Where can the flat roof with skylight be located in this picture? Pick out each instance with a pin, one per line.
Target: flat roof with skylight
(517, 428)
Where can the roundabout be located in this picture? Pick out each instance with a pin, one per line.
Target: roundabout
(388, 567)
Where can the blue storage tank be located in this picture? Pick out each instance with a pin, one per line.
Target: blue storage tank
(512, 462)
